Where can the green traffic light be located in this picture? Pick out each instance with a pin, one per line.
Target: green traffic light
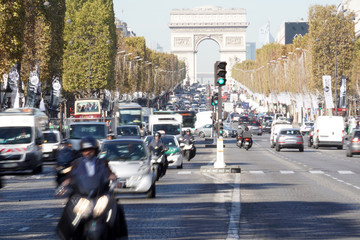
(216, 102)
(221, 81)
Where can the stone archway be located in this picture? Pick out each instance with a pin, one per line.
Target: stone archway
(227, 27)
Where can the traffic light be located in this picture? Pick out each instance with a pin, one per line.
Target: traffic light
(220, 73)
(215, 99)
(221, 128)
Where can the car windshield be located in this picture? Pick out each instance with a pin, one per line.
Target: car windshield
(123, 151)
(169, 129)
(50, 138)
(290, 132)
(15, 135)
(127, 131)
(309, 124)
(79, 131)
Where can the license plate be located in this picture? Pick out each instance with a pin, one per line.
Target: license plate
(46, 155)
(9, 165)
(246, 143)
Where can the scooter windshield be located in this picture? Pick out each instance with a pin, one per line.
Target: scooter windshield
(90, 185)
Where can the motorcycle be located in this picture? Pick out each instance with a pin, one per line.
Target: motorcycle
(188, 149)
(159, 163)
(92, 211)
(64, 158)
(239, 141)
(247, 143)
(244, 142)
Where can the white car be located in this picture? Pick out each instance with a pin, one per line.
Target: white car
(129, 159)
(306, 127)
(52, 141)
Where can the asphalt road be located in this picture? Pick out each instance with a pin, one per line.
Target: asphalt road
(278, 195)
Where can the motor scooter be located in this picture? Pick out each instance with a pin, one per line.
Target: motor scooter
(247, 142)
(158, 163)
(92, 211)
(187, 148)
(64, 158)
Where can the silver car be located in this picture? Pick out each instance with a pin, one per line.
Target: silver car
(289, 138)
(204, 131)
(129, 159)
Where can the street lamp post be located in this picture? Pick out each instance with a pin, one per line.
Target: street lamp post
(90, 42)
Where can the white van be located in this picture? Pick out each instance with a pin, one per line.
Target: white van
(21, 139)
(276, 126)
(329, 132)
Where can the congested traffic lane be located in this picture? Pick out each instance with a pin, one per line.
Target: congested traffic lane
(285, 196)
(188, 205)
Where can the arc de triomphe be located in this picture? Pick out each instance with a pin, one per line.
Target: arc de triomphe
(227, 27)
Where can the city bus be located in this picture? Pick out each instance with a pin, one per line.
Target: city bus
(189, 119)
(130, 114)
(87, 108)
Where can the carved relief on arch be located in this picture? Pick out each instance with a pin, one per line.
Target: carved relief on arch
(182, 42)
(200, 37)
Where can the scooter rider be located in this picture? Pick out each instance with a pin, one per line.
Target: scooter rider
(244, 132)
(188, 138)
(157, 146)
(88, 164)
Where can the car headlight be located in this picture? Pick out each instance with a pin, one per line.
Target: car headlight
(100, 205)
(30, 148)
(83, 207)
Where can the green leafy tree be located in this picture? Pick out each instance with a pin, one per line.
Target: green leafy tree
(12, 19)
(91, 34)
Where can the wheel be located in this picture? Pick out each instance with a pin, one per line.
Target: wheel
(157, 173)
(121, 229)
(301, 149)
(187, 155)
(316, 146)
(310, 144)
(202, 134)
(349, 153)
(180, 167)
(247, 147)
(38, 169)
(272, 145)
(151, 193)
(277, 148)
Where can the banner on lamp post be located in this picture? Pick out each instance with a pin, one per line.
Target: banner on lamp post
(342, 100)
(327, 91)
(34, 82)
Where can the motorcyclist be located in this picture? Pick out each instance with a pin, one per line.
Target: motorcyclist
(157, 146)
(244, 132)
(88, 164)
(188, 138)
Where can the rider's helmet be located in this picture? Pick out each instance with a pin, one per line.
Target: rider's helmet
(188, 130)
(157, 134)
(240, 126)
(89, 143)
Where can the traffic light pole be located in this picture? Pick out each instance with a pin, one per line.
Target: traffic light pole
(219, 163)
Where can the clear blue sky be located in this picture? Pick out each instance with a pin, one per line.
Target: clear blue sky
(150, 18)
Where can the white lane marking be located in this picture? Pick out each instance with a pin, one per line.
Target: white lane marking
(233, 229)
(256, 172)
(184, 172)
(48, 216)
(287, 172)
(23, 229)
(316, 172)
(345, 172)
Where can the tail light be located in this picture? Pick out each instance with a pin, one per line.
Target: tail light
(355, 140)
(260, 127)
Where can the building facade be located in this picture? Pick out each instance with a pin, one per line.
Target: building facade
(289, 30)
(354, 6)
